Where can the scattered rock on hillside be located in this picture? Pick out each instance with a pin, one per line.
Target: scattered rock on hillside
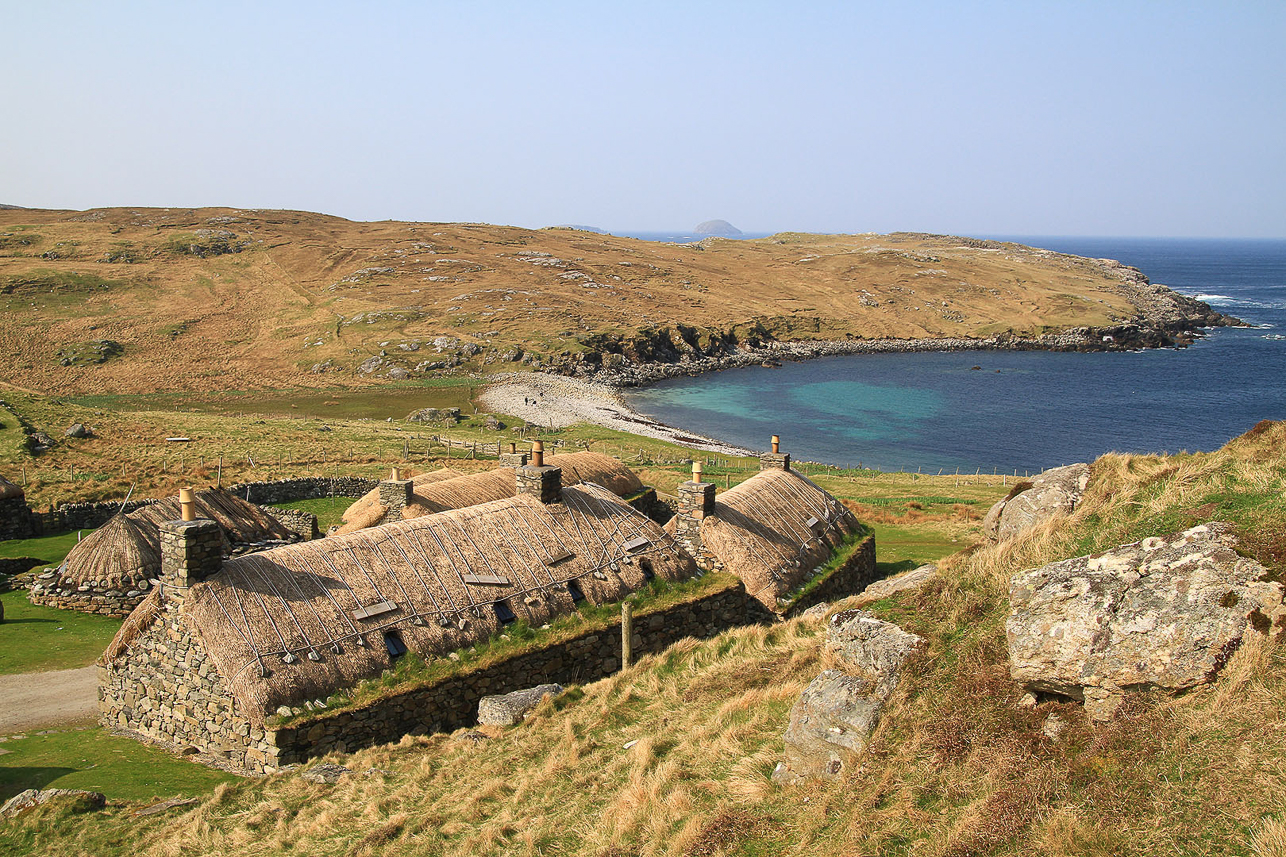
(434, 415)
(1050, 493)
(325, 773)
(839, 710)
(38, 441)
(907, 580)
(32, 798)
(1162, 613)
(510, 708)
(79, 430)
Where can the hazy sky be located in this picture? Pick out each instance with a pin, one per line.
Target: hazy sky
(1058, 118)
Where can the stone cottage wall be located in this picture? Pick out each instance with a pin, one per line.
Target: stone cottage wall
(166, 688)
(97, 598)
(17, 520)
(452, 702)
(304, 488)
(851, 577)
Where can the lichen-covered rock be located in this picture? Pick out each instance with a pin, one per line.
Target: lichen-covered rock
(1162, 613)
(834, 714)
(871, 647)
(1053, 492)
(32, 798)
(838, 711)
(510, 708)
(907, 580)
(325, 773)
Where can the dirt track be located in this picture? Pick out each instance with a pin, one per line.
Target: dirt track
(39, 700)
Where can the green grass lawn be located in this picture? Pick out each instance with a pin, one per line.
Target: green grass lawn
(900, 548)
(329, 510)
(87, 757)
(37, 639)
(50, 550)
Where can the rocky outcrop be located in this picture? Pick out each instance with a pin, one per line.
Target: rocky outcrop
(1164, 613)
(838, 711)
(510, 708)
(32, 798)
(904, 582)
(1051, 493)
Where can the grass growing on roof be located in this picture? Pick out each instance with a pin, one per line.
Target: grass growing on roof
(38, 639)
(412, 672)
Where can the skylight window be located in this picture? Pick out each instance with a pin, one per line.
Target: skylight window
(393, 642)
(503, 613)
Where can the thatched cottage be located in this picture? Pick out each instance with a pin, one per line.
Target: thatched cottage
(111, 570)
(431, 494)
(214, 651)
(773, 531)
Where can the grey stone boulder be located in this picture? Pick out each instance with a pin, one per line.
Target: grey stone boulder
(32, 798)
(325, 773)
(1051, 493)
(836, 714)
(510, 708)
(1164, 613)
(904, 582)
(871, 647)
(79, 430)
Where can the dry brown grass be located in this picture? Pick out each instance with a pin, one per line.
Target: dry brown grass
(294, 297)
(955, 767)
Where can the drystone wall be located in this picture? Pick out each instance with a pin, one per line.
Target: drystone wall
(17, 520)
(302, 524)
(90, 516)
(453, 702)
(304, 488)
(167, 689)
(97, 597)
(851, 577)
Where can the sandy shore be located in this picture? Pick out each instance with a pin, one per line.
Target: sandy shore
(552, 400)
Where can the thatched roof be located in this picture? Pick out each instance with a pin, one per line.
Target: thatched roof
(474, 488)
(760, 531)
(240, 521)
(302, 621)
(361, 509)
(9, 491)
(118, 555)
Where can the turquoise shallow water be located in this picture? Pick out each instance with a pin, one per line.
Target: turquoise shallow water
(1021, 410)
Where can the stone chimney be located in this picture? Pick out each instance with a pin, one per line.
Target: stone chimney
(191, 551)
(775, 460)
(542, 482)
(696, 501)
(395, 493)
(513, 458)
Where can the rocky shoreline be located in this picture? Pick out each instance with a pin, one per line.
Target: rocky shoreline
(558, 396)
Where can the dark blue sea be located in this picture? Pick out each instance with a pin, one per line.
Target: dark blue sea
(1024, 411)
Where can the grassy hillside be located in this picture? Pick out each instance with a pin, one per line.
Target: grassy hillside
(141, 300)
(673, 756)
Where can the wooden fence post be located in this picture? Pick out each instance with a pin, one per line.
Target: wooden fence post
(627, 633)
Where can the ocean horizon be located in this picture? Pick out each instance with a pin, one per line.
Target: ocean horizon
(1023, 411)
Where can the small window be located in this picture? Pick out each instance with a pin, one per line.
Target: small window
(578, 594)
(393, 642)
(503, 613)
(645, 565)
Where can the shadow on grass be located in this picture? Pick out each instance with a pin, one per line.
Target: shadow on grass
(15, 780)
(27, 621)
(888, 569)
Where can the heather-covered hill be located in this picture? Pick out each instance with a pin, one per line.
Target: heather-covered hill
(128, 300)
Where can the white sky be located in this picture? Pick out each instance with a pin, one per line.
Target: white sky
(1032, 118)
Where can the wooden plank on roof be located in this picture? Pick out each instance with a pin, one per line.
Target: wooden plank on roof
(635, 544)
(486, 579)
(559, 557)
(377, 609)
